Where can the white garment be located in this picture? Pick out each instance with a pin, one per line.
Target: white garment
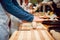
(15, 22)
(45, 1)
(56, 1)
(4, 20)
(19, 2)
(4, 29)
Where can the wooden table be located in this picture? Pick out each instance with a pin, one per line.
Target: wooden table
(31, 35)
(29, 26)
(28, 33)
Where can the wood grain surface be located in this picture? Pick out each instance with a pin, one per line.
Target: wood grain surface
(31, 35)
(26, 32)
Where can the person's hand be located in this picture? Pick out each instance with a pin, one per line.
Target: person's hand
(49, 3)
(52, 9)
(39, 19)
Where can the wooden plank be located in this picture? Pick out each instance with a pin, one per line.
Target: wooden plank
(32, 35)
(37, 35)
(16, 36)
(28, 33)
(46, 35)
(49, 35)
(40, 34)
(13, 35)
(21, 35)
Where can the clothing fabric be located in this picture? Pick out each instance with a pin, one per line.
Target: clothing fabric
(13, 8)
(4, 30)
(15, 23)
(56, 9)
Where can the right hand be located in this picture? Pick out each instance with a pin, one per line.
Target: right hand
(39, 19)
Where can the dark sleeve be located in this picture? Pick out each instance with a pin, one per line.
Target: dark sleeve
(15, 3)
(14, 10)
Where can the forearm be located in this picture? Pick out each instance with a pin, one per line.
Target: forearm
(11, 8)
(51, 7)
